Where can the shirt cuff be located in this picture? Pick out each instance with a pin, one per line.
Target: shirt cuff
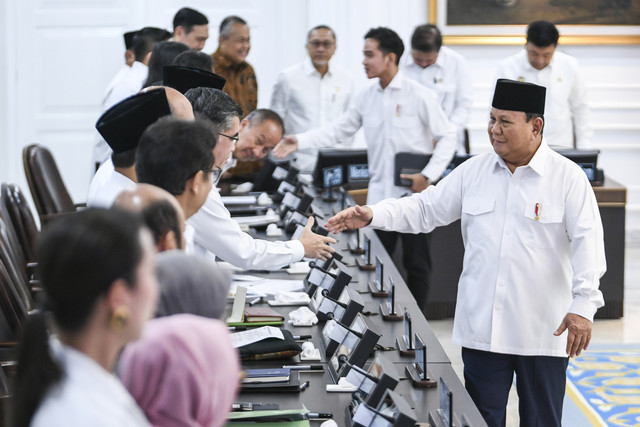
(303, 141)
(583, 307)
(379, 216)
(297, 249)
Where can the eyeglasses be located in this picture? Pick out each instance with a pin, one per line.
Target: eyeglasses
(215, 173)
(327, 44)
(235, 139)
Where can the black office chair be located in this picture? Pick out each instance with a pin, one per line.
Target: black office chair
(50, 194)
(23, 286)
(15, 208)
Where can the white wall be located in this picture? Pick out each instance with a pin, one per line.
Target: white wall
(57, 57)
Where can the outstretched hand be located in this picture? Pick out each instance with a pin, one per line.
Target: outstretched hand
(579, 333)
(349, 219)
(287, 145)
(315, 245)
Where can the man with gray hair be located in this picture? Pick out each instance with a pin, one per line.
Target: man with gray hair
(215, 231)
(314, 92)
(229, 61)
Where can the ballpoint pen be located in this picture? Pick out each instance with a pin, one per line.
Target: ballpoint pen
(255, 301)
(318, 415)
(301, 337)
(304, 367)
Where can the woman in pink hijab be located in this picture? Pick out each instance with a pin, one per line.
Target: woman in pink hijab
(183, 371)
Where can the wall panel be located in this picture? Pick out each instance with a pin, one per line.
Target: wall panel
(58, 105)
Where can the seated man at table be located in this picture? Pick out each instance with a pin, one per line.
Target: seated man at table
(121, 126)
(177, 155)
(215, 231)
(160, 212)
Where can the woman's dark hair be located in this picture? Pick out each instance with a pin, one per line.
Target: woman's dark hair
(162, 54)
(79, 257)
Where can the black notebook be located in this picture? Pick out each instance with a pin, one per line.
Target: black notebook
(408, 163)
(291, 386)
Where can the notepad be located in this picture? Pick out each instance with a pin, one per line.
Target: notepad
(266, 375)
(261, 314)
(292, 385)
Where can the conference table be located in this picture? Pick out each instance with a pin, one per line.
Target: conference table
(315, 398)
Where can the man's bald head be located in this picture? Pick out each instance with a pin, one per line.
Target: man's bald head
(160, 211)
(179, 105)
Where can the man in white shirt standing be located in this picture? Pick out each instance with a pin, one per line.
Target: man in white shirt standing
(446, 72)
(129, 79)
(312, 93)
(191, 28)
(568, 122)
(534, 255)
(398, 115)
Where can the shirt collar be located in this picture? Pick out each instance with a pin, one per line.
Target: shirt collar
(396, 82)
(309, 69)
(441, 60)
(137, 65)
(539, 159)
(537, 162)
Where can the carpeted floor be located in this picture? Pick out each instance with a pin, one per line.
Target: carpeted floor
(604, 384)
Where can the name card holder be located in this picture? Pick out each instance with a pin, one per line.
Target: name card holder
(406, 344)
(364, 261)
(377, 285)
(388, 309)
(418, 371)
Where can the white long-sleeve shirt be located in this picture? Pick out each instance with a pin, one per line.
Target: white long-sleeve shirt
(306, 100)
(87, 395)
(403, 117)
(220, 235)
(106, 185)
(521, 274)
(450, 78)
(127, 81)
(566, 109)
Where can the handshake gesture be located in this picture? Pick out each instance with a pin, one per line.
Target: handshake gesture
(349, 219)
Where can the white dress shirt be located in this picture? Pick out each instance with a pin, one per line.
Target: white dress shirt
(306, 100)
(127, 81)
(566, 109)
(217, 233)
(521, 274)
(87, 395)
(403, 117)
(450, 78)
(106, 185)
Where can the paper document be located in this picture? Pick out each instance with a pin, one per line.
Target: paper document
(274, 286)
(256, 220)
(239, 200)
(254, 335)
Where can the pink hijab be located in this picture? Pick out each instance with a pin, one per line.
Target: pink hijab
(183, 371)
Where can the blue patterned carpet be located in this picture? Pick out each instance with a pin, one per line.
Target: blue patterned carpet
(604, 383)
